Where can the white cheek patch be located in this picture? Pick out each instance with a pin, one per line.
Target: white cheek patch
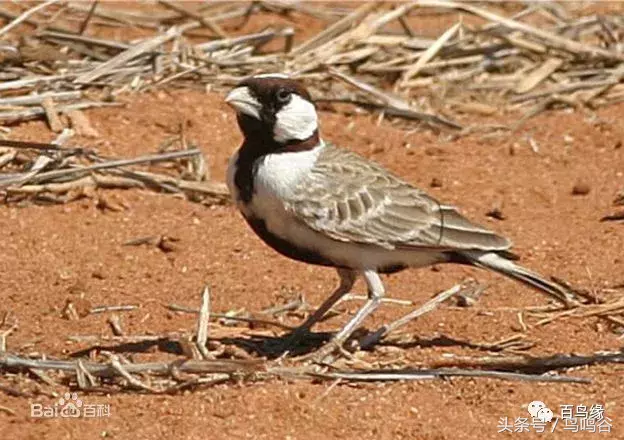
(295, 121)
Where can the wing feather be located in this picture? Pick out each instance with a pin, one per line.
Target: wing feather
(351, 199)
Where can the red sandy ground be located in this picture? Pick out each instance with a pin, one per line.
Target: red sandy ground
(57, 253)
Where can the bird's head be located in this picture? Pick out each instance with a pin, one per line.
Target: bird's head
(276, 109)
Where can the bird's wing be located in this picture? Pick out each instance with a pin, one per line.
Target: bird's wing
(350, 199)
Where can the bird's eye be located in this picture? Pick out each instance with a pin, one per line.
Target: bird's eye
(283, 95)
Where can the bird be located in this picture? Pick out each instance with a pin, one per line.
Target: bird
(321, 204)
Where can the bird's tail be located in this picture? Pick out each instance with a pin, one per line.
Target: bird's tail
(497, 263)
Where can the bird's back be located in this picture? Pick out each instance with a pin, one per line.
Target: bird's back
(352, 199)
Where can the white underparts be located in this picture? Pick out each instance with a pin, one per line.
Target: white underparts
(297, 120)
(275, 181)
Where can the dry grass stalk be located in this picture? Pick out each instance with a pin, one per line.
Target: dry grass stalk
(202, 324)
(358, 43)
(549, 38)
(52, 114)
(24, 16)
(533, 364)
(538, 75)
(429, 306)
(61, 171)
(185, 373)
(188, 12)
(127, 55)
(335, 30)
(430, 53)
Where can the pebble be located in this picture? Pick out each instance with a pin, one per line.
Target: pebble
(581, 188)
(436, 183)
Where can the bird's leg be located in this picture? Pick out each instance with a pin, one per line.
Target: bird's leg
(376, 292)
(347, 279)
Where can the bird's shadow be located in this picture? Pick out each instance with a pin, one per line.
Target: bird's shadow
(436, 341)
(271, 347)
(164, 345)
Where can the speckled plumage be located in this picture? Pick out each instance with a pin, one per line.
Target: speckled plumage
(352, 199)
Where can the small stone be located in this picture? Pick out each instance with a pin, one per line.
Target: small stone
(98, 275)
(465, 301)
(581, 188)
(166, 244)
(436, 183)
(434, 151)
(496, 213)
(377, 149)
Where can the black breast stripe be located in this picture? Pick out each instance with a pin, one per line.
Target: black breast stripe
(287, 248)
(246, 165)
(309, 256)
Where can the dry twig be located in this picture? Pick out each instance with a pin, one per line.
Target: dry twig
(202, 323)
(430, 305)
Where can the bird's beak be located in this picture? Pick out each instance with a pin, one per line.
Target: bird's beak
(243, 102)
